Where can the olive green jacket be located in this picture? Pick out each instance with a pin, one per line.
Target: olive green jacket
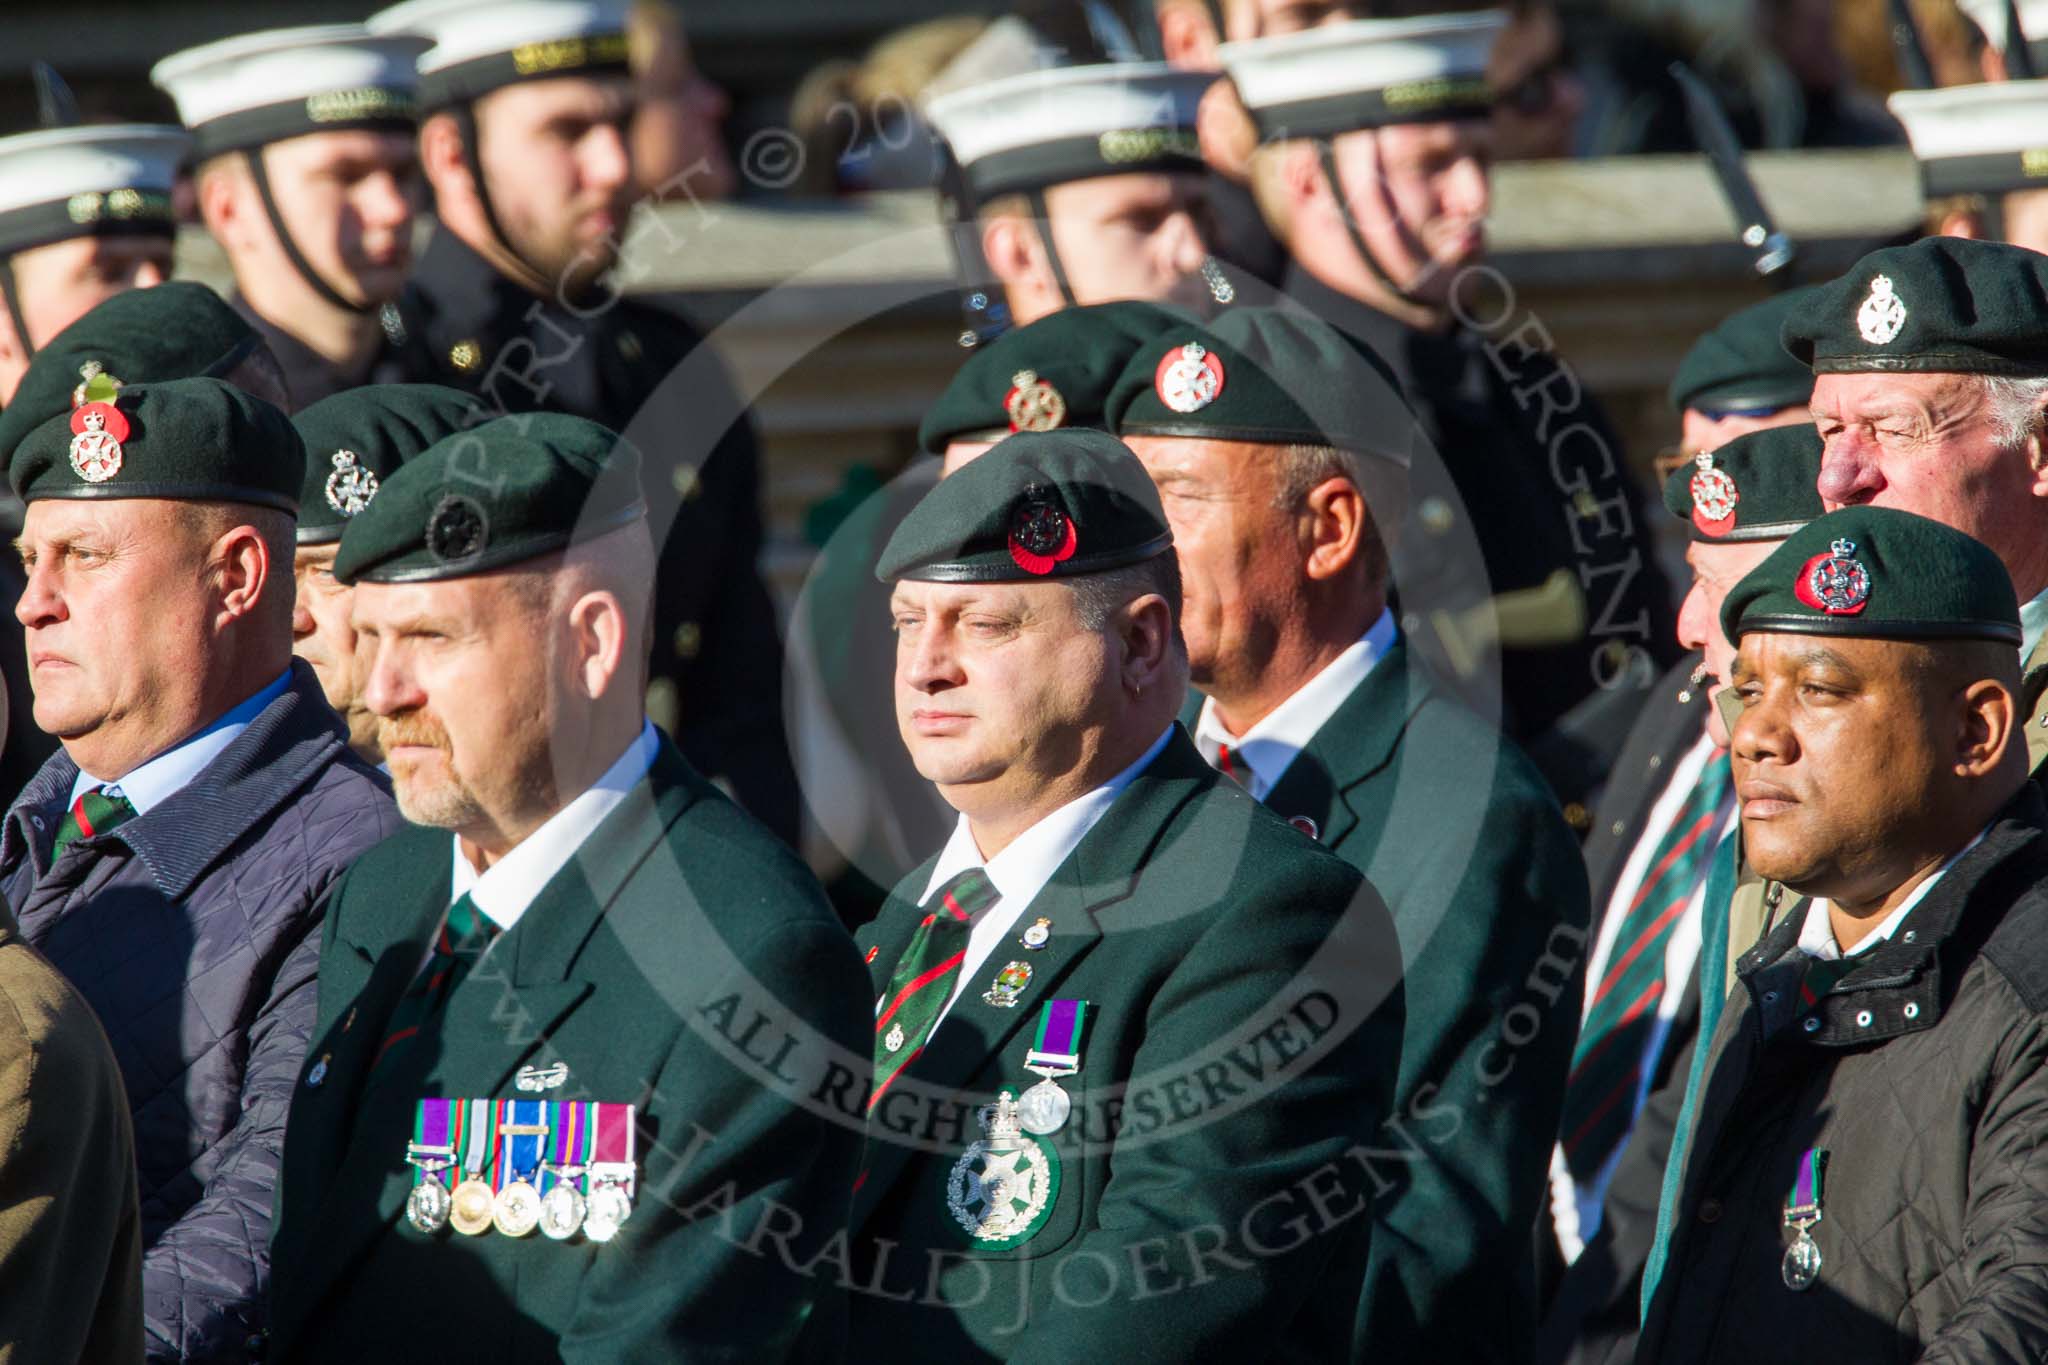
(683, 961)
(1243, 1042)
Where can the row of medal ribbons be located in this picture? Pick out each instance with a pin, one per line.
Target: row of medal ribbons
(565, 1167)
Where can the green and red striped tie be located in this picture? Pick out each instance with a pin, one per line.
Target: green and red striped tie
(925, 975)
(1607, 1068)
(91, 815)
(462, 940)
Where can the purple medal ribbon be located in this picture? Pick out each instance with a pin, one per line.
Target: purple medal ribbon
(1803, 1203)
(431, 1132)
(1057, 1049)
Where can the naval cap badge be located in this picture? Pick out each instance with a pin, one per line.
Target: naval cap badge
(1713, 496)
(1836, 582)
(1032, 404)
(1003, 1185)
(1188, 378)
(351, 486)
(1041, 533)
(1882, 312)
(98, 429)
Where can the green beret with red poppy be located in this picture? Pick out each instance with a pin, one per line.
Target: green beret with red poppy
(1763, 485)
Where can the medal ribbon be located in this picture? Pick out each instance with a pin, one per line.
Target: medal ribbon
(612, 1153)
(430, 1128)
(480, 1143)
(570, 1122)
(1802, 1203)
(1056, 1051)
(521, 1122)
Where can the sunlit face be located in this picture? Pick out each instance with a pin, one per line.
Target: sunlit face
(116, 610)
(1000, 688)
(347, 198)
(560, 172)
(2024, 219)
(681, 121)
(1420, 193)
(324, 637)
(462, 677)
(1129, 236)
(960, 454)
(1716, 569)
(61, 282)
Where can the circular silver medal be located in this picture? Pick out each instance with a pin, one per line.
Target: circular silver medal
(562, 1210)
(516, 1211)
(1802, 1263)
(609, 1207)
(1044, 1108)
(426, 1208)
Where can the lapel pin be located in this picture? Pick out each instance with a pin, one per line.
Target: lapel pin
(893, 1041)
(541, 1077)
(874, 952)
(1039, 934)
(1306, 825)
(1008, 985)
(319, 1072)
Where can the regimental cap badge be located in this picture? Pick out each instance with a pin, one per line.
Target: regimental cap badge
(350, 487)
(1882, 313)
(1041, 533)
(1188, 378)
(1032, 404)
(1004, 1185)
(95, 385)
(457, 529)
(1713, 496)
(1836, 582)
(98, 429)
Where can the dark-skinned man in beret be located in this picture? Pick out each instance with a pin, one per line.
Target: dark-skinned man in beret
(1659, 953)
(1284, 479)
(354, 440)
(1053, 374)
(581, 1186)
(174, 859)
(1930, 387)
(1126, 1020)
(525, 109)
(1863, 1181)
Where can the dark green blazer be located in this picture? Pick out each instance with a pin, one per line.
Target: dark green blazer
(1245, 1006)
(665, 966)
(1453, 826)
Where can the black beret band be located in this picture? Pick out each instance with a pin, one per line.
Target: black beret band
(92, 213)
(1876, 628)
(174, 492)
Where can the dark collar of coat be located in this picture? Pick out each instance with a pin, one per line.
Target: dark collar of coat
(289, 743)
(1896, 986)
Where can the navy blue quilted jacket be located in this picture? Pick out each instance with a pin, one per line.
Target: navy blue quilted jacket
(193, 931)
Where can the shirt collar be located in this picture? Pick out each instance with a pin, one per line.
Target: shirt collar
(1817, 933)
(512, 884)
(152, 783)
(2033, 625)
(1267, 748)
(1023, 868)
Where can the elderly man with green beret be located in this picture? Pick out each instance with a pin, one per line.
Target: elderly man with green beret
(1281, 453)
(1864, 1178)
(572, 1021)
(355, 440)
(1930, 387)
(174, 859)
(1133, 1037)
(1668, 900)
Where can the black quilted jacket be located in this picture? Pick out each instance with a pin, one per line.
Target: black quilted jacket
(193, 931)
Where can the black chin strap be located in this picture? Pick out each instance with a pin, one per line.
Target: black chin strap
(464, 115)
(7, 291)
(254, 157)
(1328, 157)
(1052, 253)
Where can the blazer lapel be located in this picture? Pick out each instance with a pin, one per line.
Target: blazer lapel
(1357, 741)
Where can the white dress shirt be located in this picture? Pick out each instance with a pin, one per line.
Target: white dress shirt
(505, 890)
(1261, 754)
(1817, 932)
(2033, 624)
(154, 782)
(1022, 869)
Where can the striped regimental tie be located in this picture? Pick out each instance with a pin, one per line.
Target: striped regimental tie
(462, 940)
(1607, 1068)
(925, 975)
(92, 814)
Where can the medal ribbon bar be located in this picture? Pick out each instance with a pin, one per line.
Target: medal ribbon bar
(1803, 1201)
(1056, 1051)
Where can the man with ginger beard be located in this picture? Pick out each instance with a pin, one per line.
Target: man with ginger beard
(526, 110)
(307, 178)
(1863, 1179)
(567, 869)
(173, 861)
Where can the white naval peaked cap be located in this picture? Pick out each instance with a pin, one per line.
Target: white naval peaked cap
(90, 180)
(480, 45)
(1977, 139)
(264, 87)
(1368, 73)
(1049, 126)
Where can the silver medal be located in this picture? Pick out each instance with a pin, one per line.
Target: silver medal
(609, 1207)
(562, 1210)
(1044, 1108)
(1802, 1263)
(426, 1208)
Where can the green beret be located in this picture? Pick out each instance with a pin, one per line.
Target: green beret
(1056, 372)
(356, 439)
(1039, 504)
(1267, 376)
(192, 440)
(509, 490)
(140, 336)
(1941, 305)
(1742, 366)
(1877, 573)
(1763, 485)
